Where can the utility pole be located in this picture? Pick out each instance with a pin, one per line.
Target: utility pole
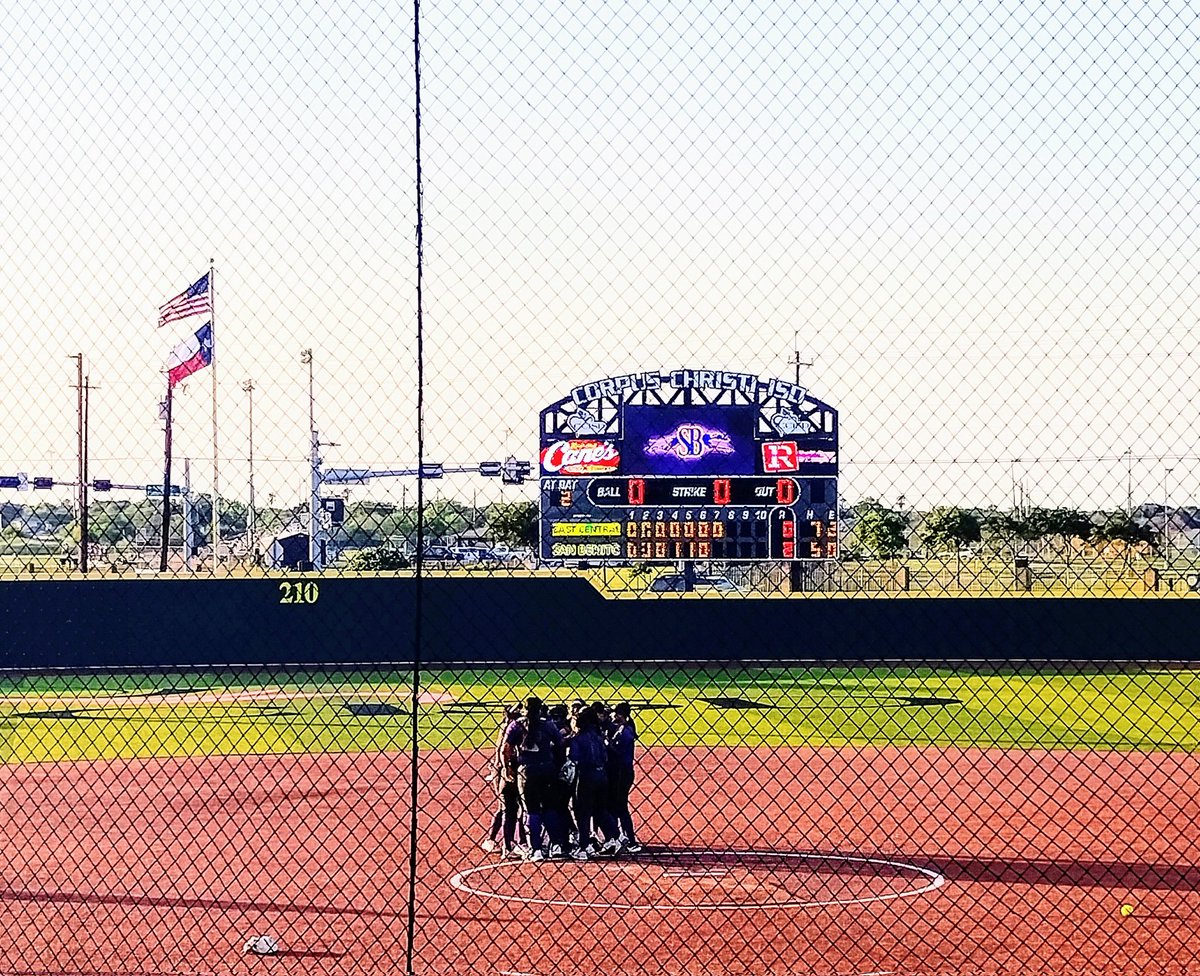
(82, 387)
(216, 488)
(1167, 523)
(83, 550)
(251, 528)
(315, 528)
(795, 568)
(1129, 488)
(189, 528)
(83, 482)
(795, 357)
(166, 505)
(315, 555)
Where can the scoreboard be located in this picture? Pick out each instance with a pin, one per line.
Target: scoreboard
(658, 518)
(636, 476)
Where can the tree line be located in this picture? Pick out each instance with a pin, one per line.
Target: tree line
(884, 532)
(133, 523)
(870, 527)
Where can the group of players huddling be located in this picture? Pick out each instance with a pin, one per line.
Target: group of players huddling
(562, 780)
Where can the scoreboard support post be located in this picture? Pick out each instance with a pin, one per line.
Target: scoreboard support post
(795, 577)
(689, 577)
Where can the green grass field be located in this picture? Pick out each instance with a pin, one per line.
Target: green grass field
(124, 716)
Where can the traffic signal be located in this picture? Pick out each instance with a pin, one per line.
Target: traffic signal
(335, 508)
(515, 472)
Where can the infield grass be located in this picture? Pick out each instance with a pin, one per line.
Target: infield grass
(92, 717)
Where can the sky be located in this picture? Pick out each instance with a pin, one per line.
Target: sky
(977, 222)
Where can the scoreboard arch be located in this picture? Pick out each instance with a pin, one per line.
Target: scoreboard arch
(688, 465)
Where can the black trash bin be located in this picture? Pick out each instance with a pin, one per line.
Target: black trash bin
(1022, 573)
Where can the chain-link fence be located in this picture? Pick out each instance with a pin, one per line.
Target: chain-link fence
(795, 403)
(668, 818)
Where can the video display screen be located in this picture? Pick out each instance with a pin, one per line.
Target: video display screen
(688, 440)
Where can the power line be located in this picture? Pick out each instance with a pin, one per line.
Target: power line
(1037, 459)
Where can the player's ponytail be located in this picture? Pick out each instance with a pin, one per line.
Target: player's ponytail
(533, 722)
(624, 711)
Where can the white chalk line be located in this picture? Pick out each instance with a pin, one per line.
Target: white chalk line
(514, 972)
(158, 699)
(934, 881)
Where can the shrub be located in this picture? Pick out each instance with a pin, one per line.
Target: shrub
(377, 557)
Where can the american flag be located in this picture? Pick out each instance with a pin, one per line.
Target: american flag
(193, 301)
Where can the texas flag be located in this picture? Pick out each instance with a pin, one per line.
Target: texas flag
(190, 355)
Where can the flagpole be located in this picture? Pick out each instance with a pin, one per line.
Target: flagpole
(216, 514)
(166, 509)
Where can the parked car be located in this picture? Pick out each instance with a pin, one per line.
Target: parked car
(471, 554)
(676, 583)
(512, 556)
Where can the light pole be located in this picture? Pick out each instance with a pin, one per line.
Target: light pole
(314, 503)
(251, 527)
(83, 482)
(306, 357)
(1129, 482)
(404, 516)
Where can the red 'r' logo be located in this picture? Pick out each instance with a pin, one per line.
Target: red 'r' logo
(779, 456)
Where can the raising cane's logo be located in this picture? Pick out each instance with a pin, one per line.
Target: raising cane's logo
(580, 457)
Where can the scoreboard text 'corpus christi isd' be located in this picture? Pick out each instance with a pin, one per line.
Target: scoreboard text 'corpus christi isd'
(694, 464)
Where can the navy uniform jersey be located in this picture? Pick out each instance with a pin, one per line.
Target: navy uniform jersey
(536, 751)
(620, 747)
(587, 751)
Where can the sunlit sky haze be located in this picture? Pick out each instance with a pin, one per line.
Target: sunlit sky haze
(977, 221)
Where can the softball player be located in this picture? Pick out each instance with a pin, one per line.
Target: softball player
(507, 817)
(589, 754)
(530, 752)
(620, 772)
